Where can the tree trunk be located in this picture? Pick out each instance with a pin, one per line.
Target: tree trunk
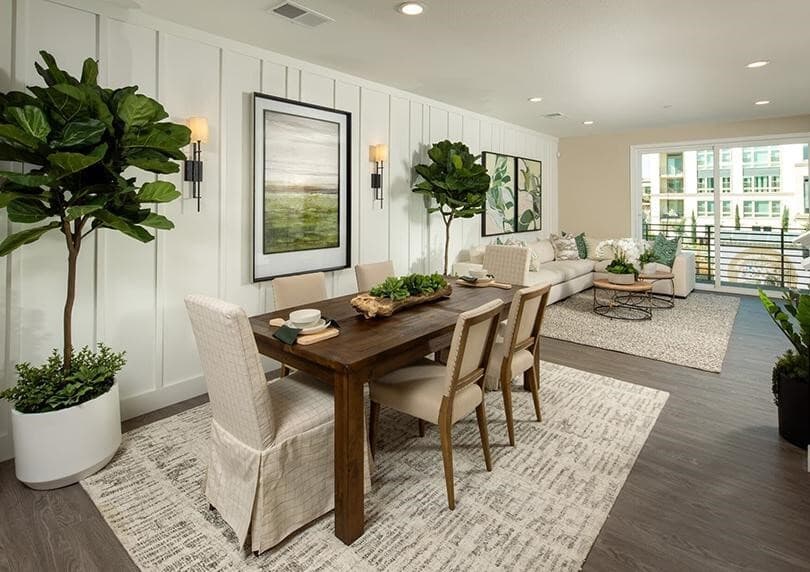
(446, 242)
(68, 315)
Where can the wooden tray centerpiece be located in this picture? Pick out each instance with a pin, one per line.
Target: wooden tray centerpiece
(396, 293)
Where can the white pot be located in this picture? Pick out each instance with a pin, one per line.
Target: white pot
(649, 268)
(59, 448)
(621, 278)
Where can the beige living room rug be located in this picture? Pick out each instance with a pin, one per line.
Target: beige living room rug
(540, 508)
(694, 333)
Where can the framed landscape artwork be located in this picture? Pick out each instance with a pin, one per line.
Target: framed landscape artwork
(301, 192)
(515, 197)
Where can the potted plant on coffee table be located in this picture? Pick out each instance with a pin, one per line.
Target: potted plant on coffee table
(791, 373)
(620, 270)
(78, 139)
(647, 260)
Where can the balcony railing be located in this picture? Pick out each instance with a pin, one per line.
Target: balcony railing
(757, 256)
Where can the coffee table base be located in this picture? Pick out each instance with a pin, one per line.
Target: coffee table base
(621, 307)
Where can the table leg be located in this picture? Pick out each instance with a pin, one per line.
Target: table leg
(349, 451)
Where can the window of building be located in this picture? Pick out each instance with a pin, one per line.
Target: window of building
(725, 158)
(673, 164)
(672, 185)
(762, 209)
(705, 160)
(725, 183)
(762, 184)
(726, 208)
(671, 208)
(705, 184)
(760, 156)
(705, 208)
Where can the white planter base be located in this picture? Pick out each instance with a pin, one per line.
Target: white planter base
(621, 278)
(59, 448)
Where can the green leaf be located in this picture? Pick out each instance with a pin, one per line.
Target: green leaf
(90, 72)
(26, 180)
(168, 138)
(31, 120)
(158, 192)
(64, 102)
(27, 210)
(154, 220)
(80, 211)
(14, 136)
(70, 163)
(16, 240)
(118, 223)
(137, 110)
(19, 155)
(82, 132)
(53, 74)
(153, 162)
(7, 196)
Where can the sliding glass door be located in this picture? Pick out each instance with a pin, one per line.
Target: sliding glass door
(736, 205)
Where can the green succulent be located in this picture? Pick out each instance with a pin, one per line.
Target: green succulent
(399, 288)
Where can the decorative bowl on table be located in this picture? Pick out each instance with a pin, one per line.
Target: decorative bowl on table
(305, 318)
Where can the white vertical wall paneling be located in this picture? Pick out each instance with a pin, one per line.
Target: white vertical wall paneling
(399, 188)
(470, 227)
(128, 267)
(274, 79)
(436, 229)
(70, 35)
(293, 83)
(347, 98)
(6, 60)
(417, 217)
(373, 218)
(189, 86)
(455, 132)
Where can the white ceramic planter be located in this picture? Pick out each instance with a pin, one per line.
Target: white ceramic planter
(59, 448)
(621, 278)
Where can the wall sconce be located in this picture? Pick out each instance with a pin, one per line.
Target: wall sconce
(193, 168)
(378, 154)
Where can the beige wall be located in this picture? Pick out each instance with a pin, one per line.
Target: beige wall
(594, 172)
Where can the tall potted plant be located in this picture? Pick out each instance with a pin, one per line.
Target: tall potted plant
(791, 374)
(78, 139)
(455, 182)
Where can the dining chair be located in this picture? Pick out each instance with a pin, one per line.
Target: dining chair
(517, 351)
(271, 467)
(444, 394)
(290, 291)
(369, 275)
(507, 263)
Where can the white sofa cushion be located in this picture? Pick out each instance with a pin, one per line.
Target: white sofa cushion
(544, 250)
(569, 269)
(477, 254)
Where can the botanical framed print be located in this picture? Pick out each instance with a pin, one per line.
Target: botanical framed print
(529, 194)
(301, 192)
(499, 216)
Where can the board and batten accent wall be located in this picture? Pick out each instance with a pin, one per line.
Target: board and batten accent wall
(130, 295)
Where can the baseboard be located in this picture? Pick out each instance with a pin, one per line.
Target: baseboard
(156, 399)
(6, 447)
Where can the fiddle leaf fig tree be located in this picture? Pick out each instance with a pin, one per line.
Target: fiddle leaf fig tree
(77, 139)
(456, 184)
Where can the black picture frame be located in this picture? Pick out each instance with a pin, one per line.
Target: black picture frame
(511, 166)
(287, 261)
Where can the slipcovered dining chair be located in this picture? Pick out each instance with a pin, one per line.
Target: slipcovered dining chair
(369, 275)
(517, 351)
(290, 291)
(444, 394)
(507, 263)
(272, 444)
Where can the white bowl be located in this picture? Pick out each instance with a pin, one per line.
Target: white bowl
(305, 318)
(482, 273)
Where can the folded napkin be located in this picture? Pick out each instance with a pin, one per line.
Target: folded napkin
(288, 335)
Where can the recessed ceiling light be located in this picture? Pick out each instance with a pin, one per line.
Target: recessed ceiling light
(410, 8)
(762, 102)
(758, 64)
(589, 122)
(535, 99)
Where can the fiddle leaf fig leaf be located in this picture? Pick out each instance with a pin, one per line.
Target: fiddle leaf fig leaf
(158, 192)
(82, 132)
(154, 220)
(90, 72)
(16, 240)
(73, 213)
(120, 224)
(137, 110)
(70, 163)
(26, 180)
(27, 210)
(31, 120)
(16, 137)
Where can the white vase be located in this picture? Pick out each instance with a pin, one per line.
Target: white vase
(59, 448)
(649, 268)
(621, 278)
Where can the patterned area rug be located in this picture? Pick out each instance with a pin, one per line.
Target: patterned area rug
(694, 333)
(540, 508)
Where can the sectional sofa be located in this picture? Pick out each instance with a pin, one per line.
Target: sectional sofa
(567, 277)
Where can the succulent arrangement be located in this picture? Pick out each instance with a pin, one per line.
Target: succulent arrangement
(400, 287)
(620, 265)
(647, 257)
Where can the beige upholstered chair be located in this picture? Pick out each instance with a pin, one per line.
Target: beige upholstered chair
(444, 394)
(507, 263)
(272, 445)
(369, 275)
(290, 291)
(517, 351)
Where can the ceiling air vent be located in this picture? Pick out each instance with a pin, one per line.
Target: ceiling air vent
(300, 14)
(555, 115)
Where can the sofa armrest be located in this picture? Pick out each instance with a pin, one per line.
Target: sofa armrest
(463, 268)
(684, 270)
(508, 263)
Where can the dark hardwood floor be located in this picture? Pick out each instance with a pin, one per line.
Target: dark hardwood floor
(713, 489)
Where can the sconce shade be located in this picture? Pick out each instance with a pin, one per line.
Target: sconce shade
(199, 129)
(379, 153)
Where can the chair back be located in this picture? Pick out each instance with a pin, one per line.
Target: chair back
(471, 345)
(233, 370)
(369, 275)
(507, 263)
(289, 291)
(525, 318)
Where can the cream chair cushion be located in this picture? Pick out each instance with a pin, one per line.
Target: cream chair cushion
(418, 391)
(521, 362)
(289, 291)
(369, 275)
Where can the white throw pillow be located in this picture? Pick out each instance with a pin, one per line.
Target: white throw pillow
(544, 250)
(603, 250)
(477, 254)
(565, 248)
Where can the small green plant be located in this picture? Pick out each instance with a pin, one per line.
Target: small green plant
(51, 387)
(793, 319)
(620, 264)
(399, 288)
(647, 257)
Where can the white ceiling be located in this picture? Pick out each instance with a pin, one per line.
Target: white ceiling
(621, 63)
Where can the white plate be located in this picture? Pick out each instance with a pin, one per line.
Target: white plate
(319, 326)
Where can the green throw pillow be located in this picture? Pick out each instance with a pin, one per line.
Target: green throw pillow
(665, 249)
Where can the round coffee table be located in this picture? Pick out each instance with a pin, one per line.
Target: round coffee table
(620, 305)
(660, 301)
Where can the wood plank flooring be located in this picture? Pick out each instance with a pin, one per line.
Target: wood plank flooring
(713, 489)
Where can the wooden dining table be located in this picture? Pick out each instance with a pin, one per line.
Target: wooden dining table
(366, 349)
